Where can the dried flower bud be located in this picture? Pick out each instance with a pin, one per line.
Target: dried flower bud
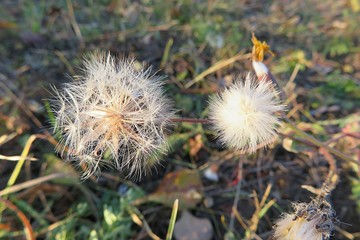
(259, 49)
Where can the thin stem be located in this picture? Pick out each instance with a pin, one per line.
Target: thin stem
(172, 220)
(318, 143)
(304, 134)
(191, 120)
(20, 163)
(237, 194)
(29, 233)
(282, 92)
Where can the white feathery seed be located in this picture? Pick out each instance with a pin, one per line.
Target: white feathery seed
(244, 116)
(300, 229)
(113, 115)
(313, 221)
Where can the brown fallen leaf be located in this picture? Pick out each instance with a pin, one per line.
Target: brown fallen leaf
(195, 145)
(297, 147)
(7, 25)
(190, 227)
(184, 185)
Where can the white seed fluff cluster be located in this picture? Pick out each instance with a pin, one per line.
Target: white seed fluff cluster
(244, 114)
(112, 115)
(313, 221)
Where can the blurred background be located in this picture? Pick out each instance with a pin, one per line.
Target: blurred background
(200, 47)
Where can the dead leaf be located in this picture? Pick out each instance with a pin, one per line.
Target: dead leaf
(190, 227)
(6, 138)
(7, 25)
(184, 185)
(297, 147)
(195, 145)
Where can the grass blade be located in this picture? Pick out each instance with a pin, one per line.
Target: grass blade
(172, 220)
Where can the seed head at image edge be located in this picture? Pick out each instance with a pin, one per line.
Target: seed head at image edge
(115, 114)
(313, 221)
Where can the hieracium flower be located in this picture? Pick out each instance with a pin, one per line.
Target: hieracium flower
(115, 114)
(313, 221)
(244, 115)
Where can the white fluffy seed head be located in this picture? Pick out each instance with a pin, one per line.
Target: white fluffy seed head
(244, 115)
(309, 221)
(115, 114)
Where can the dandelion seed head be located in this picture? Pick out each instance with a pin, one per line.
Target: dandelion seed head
(244, 114)
(112, 110)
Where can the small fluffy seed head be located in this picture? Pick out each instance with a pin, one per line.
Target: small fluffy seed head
(115, 114)
(244, 116)
(313, 221)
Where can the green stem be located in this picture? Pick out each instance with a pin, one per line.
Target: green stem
(237, 193)
(317, 142)
(14, 175)
(191, 120)
(21, 162)
(304, 134)
(172, 220)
